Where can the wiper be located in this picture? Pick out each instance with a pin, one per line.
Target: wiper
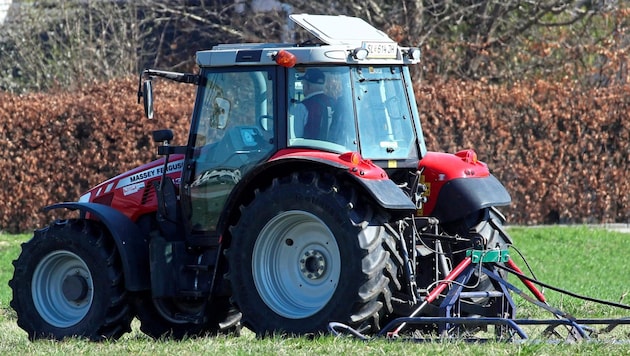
(379, 79)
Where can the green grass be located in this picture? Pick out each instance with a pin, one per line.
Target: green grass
(586, 261)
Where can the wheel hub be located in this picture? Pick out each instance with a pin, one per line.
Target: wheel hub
(296, 264)
(313, 264)
(62, 288)
(75, 288)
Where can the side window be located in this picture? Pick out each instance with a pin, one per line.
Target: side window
(321, 113)
(233, 133)
(233, 99)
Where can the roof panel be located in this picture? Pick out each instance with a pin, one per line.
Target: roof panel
(342, 30)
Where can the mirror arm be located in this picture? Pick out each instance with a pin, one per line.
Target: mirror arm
(187, 78)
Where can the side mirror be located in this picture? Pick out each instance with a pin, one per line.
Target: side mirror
(160, 136)
(147, 97)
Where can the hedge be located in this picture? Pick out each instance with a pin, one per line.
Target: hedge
(563, 153)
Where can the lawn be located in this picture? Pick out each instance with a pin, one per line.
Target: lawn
(583, 260)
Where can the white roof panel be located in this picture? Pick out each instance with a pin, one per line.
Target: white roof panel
(340, 30)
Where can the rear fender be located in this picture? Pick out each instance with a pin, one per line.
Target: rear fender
(368, 175)
(130, 240)
(383, 191)
(460, 197)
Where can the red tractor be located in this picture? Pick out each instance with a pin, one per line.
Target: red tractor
(305, 195)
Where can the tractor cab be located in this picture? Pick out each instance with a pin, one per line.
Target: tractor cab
(350, 93)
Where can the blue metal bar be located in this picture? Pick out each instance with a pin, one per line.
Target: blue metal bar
(557, 312)
(481, 294)
(459, 321)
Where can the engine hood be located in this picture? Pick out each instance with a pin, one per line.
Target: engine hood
(133, 192)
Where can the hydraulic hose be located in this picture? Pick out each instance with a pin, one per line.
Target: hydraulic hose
(523, 277)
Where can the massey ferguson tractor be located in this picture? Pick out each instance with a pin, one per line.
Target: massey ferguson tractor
(305, 196)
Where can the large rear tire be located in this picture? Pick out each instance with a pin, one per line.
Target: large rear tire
(305, 252)
(68, 282)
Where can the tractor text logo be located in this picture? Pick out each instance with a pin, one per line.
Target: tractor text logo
(150, 173)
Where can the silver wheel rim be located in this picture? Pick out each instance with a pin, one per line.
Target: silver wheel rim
(62, 289)
(296, 264)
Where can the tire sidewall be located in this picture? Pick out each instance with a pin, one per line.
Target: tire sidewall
(62, 239)
(264, 208)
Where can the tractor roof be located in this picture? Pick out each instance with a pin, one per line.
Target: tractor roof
(342, 37)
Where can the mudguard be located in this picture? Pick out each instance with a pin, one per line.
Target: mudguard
(388, 195)
(130, 240)
(384, 191)
(462, 196)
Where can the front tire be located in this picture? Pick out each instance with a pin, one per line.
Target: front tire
(68, 282)
(305, 252)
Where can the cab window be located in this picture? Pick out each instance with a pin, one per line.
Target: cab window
(233, 132)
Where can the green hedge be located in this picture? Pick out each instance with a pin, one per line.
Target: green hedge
(562, 153)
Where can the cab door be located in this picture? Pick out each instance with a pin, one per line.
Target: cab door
(232, 132)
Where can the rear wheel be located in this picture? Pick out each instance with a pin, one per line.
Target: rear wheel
(306, 252)
(68, 282)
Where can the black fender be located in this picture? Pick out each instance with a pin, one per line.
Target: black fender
(388, 195)
(462, 196)
(130, 240)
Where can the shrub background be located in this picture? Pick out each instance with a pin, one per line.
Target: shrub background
(561, 150)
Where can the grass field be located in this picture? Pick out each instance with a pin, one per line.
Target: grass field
(586, 261)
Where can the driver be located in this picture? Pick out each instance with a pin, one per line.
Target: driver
(314, 113)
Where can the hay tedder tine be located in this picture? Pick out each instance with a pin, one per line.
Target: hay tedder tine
(578, 331)
(575, 334)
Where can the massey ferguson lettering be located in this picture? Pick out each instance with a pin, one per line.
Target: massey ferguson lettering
(144, 175)
(150, 173)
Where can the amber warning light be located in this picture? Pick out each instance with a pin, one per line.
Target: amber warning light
(285, 58)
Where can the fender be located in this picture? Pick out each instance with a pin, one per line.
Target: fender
(130, 240)
(388, 195)
(368, 175)
(383, 190)
(462, 196)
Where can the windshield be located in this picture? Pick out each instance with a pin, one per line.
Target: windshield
(385, 123)
(343, 109)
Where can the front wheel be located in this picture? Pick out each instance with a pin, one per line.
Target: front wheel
(68, 282)
(306, 252)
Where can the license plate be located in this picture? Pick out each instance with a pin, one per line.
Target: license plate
(381, 49)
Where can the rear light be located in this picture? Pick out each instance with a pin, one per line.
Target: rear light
(285, 59)
(468, 156)
(352, 157)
